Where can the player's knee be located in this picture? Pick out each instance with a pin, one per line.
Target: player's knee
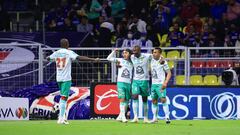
(134, 97)
(154, 101)
(64, 98)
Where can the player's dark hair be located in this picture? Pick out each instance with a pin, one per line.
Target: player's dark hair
(130, 53)
(128, 50)
(159, 49)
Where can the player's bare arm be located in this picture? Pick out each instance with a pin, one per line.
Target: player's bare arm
(164, 85)
(85, 58)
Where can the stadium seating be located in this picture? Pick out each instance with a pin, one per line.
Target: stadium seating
(198, 64)
(210, 80)
(212, 64)
(180, 80)
(196, 80)
(180, 67)
(164, 40)
(214, 71)
(225, 64)
(164, 54)
(173, 54)
(171, 64)
(183, 54)
(220, 80)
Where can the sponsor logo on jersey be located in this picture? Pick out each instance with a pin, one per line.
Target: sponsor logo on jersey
(125, 74)
(139, 70)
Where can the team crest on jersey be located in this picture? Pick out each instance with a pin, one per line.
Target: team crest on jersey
(125, 74)
(154, 74)
(139, 70)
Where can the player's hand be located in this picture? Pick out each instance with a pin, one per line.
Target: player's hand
(116, 49)
(118, 64)
(97, 60)
(164, 86)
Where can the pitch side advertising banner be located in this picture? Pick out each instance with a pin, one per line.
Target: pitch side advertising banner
(184, 102)
(104, 100)
(48, 106)
(14, 108)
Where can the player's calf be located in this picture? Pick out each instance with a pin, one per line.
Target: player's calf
(135, 107)
(166, 110)
(154, 110)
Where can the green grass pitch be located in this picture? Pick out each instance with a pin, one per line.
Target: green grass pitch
(111, 127)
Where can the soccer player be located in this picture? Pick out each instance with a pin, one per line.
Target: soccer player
(63, 58)
(140, 85)
(124, 80)
(159, 68)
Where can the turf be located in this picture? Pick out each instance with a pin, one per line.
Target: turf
(110, 127)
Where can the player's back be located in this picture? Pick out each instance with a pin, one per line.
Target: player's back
(63, 59)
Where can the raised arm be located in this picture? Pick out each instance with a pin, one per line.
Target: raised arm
(111, 56)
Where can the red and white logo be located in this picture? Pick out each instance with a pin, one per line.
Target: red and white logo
(43, 105)
(106, 100)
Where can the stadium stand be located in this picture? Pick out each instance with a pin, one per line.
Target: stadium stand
(180, 80)
(196, 80)
(210, 80)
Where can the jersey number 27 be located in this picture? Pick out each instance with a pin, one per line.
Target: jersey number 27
(61, 62)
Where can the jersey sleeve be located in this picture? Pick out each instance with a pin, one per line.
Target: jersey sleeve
(166, 67)
(73, 55)
(111, 57)
(53, 56)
